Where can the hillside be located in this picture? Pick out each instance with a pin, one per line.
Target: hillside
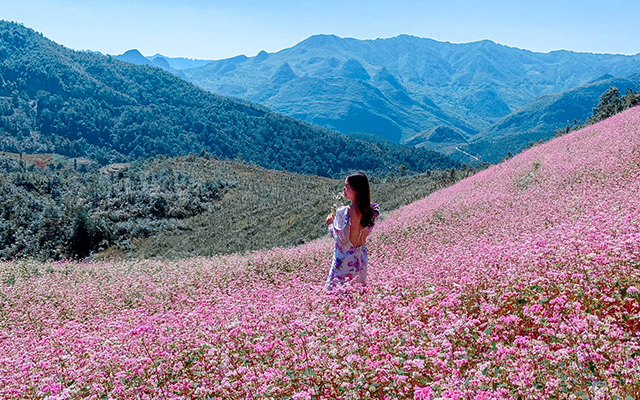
(539, 119)
(266, 209)
(54, 207)
(521, 281)
(401, 86)
(55, 100)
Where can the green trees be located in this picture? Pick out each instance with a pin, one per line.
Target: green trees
(630, 99)
(72, 212)
(610, 104)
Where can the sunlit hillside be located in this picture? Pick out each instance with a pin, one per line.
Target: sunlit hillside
(520, 282)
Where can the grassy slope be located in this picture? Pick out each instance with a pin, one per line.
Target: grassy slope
(46, 158)
(268, 208)
(171, 207)
(519, 282)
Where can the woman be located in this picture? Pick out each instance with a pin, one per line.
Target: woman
(350, 227)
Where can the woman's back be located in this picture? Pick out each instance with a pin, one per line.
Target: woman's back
(357, 234)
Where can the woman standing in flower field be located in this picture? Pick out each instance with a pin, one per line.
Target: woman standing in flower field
(350, 228)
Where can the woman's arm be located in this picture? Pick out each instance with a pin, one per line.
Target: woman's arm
(339, 228)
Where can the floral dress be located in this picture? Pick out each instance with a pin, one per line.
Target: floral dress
(349, 262)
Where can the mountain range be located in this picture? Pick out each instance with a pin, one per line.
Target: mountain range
(135, 57)
(408, 89)
(472, 101)
(179, 63)
(56, 100)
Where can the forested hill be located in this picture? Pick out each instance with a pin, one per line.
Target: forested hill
(53, 99)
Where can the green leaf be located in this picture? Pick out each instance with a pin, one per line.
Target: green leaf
(592, 367)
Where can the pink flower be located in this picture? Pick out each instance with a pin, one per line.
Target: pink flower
(425, 393)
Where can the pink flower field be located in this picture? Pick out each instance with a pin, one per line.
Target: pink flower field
(521, 282)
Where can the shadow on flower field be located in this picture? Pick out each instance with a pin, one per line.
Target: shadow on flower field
(520, 282)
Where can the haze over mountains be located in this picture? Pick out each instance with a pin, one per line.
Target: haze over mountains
(407, 88)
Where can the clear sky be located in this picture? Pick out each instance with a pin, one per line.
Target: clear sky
(220, 29)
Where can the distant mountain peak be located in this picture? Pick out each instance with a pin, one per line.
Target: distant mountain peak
(161, 62)
(180, 63)
(405, 35)
(283, 74)
(238, 59)
(132, 52)
(133, 56)
(352, 68)
(408, 38)
(263, 55)
(385, 76)
(92, 51)
(318, 41)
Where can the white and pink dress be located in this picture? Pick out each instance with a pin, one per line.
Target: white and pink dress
(349, 262)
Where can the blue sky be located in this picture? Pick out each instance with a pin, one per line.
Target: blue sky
(220, 29)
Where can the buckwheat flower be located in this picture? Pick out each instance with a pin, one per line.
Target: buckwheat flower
(461, 362)
(533, 309)
(140, 330)
(303, 395)
(414, 364)
(424, 393)
(452, 394)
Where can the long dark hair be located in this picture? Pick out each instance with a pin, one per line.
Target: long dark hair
(360, 184)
